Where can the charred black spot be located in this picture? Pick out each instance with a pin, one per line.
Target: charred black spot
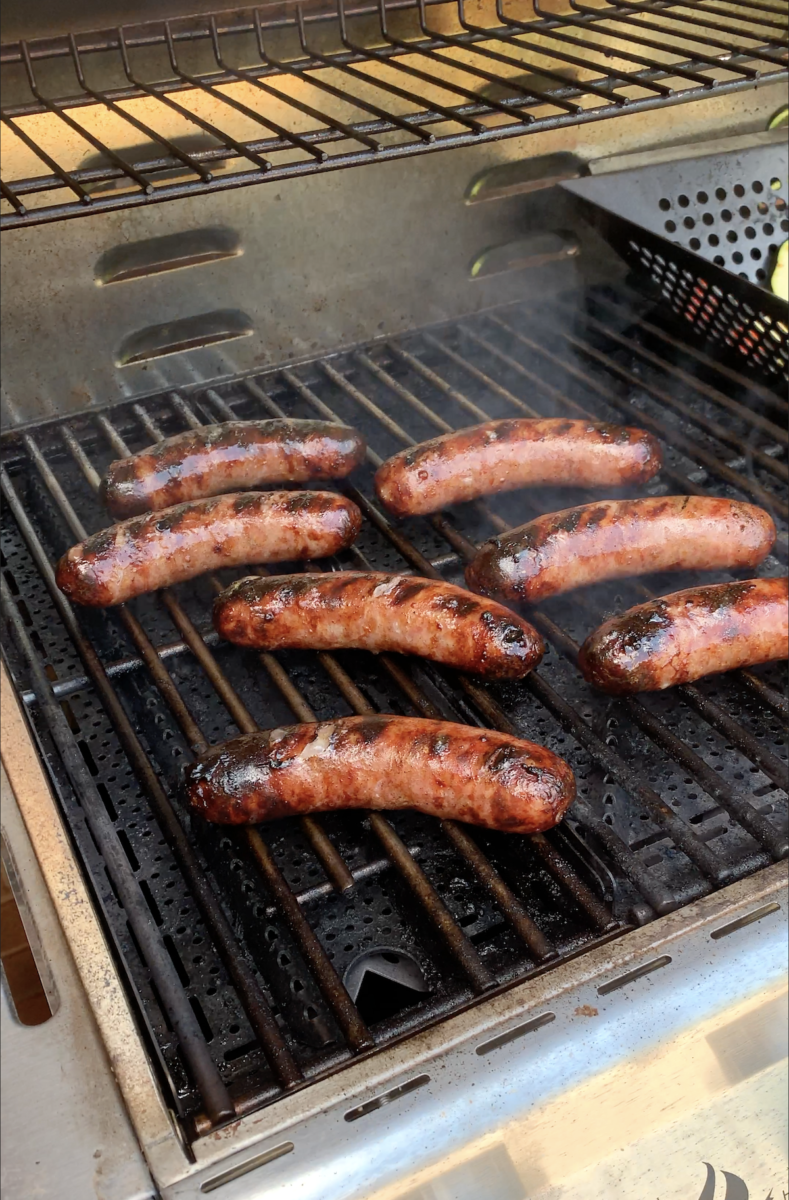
(439, 745)
(370, 730)
(461, 606)
(168, 520)
(246, 501)
(569, 521)
(722, 595)
(405, 591)
(313, 501)
(593, 516)
(424, 450)
(501, 758)
(100, 542)
(563, 427)
(644, 628)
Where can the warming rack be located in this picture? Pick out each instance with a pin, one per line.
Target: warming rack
(156, 111)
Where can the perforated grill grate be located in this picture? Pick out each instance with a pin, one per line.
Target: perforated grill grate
(677, 795)
(739, 227)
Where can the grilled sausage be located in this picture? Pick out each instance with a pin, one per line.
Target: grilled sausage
(378, 612)
(578, 546)
(443, 769)
(146, 553)
(228, 457)
(501, 455)
(699, 631)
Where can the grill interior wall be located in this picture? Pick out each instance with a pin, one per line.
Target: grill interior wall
(679, 793)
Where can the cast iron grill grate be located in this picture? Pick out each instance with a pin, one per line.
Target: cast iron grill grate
(280, 937)
(155, 111)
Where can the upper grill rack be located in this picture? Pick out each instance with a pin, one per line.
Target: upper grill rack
(259, 1004)
(167, 109)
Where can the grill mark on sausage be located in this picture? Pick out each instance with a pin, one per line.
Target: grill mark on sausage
(227, 457)
(610, 539)
(502, 455)
(172, 545)
(382, 762)
(695, 632)
(381, 613)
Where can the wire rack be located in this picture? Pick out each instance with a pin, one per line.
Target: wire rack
(153, 112)
(237, 945)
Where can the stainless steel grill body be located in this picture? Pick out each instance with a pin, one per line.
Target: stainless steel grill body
(279, 999)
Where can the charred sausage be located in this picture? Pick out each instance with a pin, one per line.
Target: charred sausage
(226, 458)
(383, 762)
(579, 546)
(378, 612)
(146, 553)
(501, 455)
(699, 631)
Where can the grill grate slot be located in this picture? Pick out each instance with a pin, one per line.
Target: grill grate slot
(350, 87)
(677, 794)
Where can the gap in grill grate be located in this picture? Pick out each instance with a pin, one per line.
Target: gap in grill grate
(615, 862)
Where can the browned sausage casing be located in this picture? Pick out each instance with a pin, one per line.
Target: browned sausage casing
(164, 548)
(699, 631)
(374, 611)
(445, 770)
(501, 455)
(226, 458)
(613, 538)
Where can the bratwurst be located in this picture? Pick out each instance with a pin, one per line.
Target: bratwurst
(383, 762)
(146, 553)
(501, 455)
(699, 631)
(613, 538)
(226, 458)
(378, 612)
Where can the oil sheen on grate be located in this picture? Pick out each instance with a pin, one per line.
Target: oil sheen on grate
(679, 793)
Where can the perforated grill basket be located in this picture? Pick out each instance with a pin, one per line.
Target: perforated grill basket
(702, 235)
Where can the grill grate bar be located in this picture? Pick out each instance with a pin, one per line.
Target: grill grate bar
(331, 986)
(722, 52)
(101, 98)
(425, 377)
(394, 846)
(735, 801)
(674, 436)
(282, 1063)
(681, 833)
(759, 52)
(154, 952)
(653, 44)
(769, 428)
